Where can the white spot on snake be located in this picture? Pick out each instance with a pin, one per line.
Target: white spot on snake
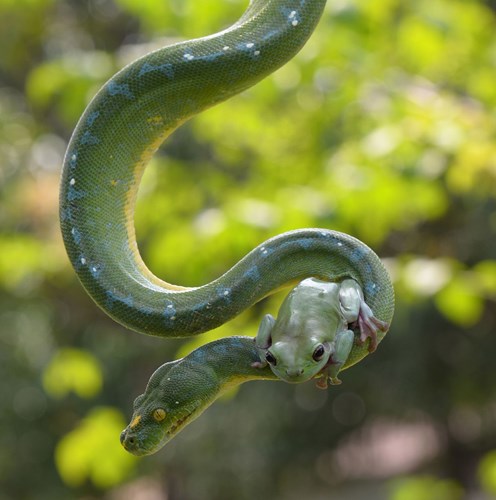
(76, 235)
(177, 402)
(264, 251)
(96, 271)
(226, 47)
(371, 289)
(189, 56)
(83, 261)
(73, 157)
(257, 52)
(293, 18)
(72, 181)
(223, 292)
(250, 45)
(170, 312)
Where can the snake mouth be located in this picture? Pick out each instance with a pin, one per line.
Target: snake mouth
(178, 424)
(187, 415)
(149, 439)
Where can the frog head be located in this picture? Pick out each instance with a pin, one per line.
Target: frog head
(299, 359)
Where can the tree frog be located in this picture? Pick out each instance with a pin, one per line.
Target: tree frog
(312, 336)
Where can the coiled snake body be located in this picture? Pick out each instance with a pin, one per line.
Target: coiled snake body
(116, 136)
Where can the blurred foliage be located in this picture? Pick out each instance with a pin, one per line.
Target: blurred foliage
(72, 370)
(487, 472)
(427, 488)
(91, 451)
(382, 127)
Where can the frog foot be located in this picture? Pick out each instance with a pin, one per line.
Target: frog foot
(326, 380)
(321, 382)
(369, 326)
(328, 375)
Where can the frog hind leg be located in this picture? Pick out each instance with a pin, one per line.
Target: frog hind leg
(358, 313)
(369, 326)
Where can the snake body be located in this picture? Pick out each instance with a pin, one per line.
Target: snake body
(172, 400)
(128, 119)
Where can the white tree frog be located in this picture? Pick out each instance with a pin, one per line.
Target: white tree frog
(312, 336)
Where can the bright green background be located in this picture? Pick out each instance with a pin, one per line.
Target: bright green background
(384, 127)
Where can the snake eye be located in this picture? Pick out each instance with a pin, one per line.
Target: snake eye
(159, 414)
(318, 353)
(270, 358)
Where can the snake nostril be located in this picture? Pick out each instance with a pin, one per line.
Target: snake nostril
(127, 440)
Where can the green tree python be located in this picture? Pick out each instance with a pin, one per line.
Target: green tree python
(120, 130)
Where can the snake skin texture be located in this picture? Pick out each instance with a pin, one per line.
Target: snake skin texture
(123, 126)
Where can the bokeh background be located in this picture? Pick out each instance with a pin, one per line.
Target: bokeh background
(384, 127)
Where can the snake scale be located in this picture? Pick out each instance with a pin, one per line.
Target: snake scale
(122, 127)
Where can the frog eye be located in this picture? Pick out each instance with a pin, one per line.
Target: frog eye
(319, 352)
(159, 414)
(271, 359)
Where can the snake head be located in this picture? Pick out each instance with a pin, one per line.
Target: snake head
(170, 402)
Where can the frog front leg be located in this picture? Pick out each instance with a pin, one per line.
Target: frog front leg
(342, 347)
(355, 309)
(263, 339)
